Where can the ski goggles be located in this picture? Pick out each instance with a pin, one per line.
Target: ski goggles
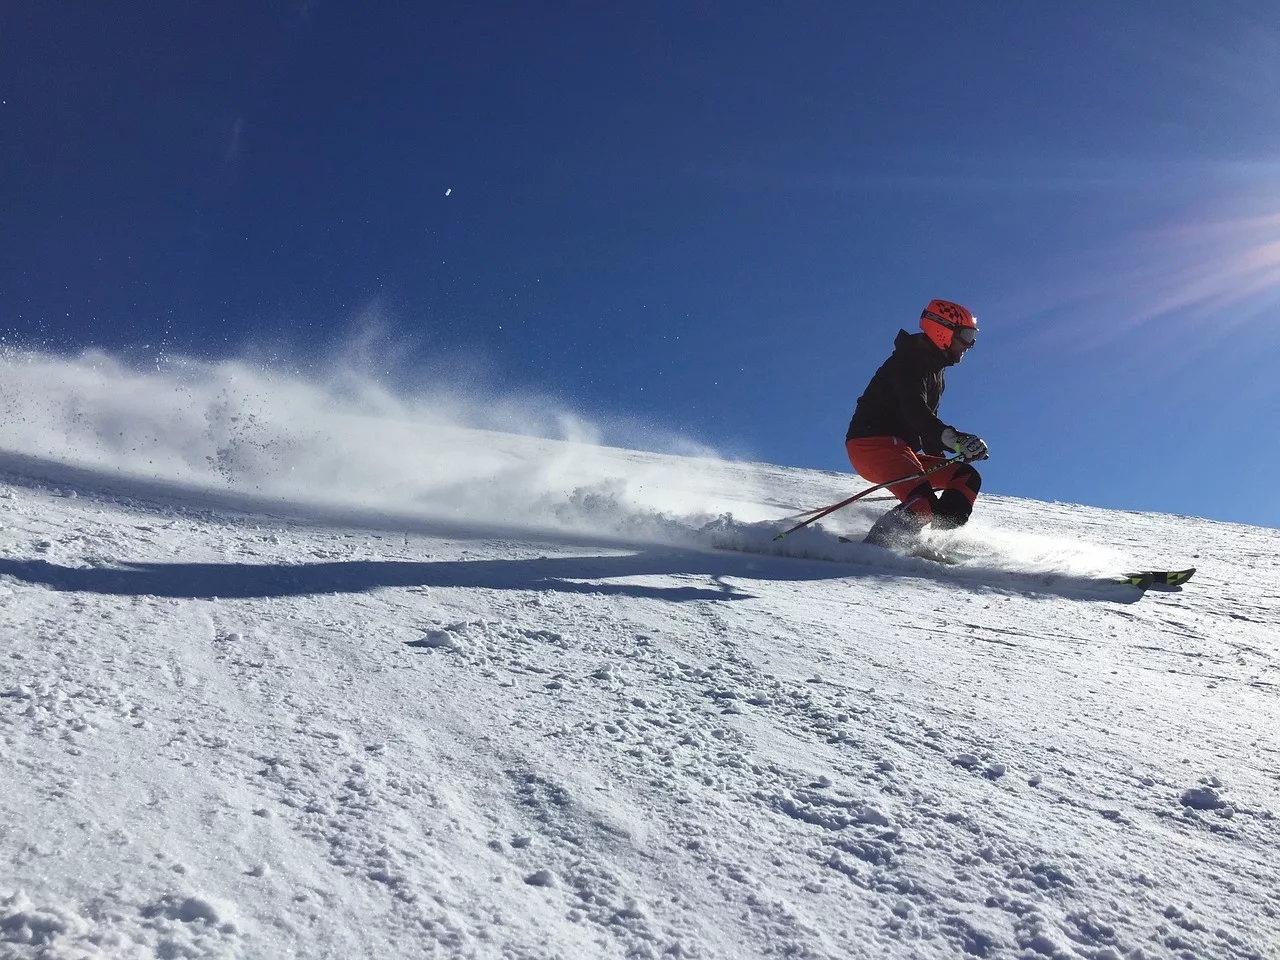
(966, 335)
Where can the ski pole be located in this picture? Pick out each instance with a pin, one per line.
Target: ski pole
(804, 513)
(801, 515)
(823, 511)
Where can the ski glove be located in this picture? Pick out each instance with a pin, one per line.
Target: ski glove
(965, 444)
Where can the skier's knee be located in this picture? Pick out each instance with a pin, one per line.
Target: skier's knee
(953, 509)
(922, 490)
(968, 478)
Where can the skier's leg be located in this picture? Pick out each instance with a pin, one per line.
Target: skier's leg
(959, 486)
(881, 459)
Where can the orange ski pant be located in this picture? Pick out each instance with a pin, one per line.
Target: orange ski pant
(881, 459)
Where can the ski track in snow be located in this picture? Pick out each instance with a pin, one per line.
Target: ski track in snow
(230, 731)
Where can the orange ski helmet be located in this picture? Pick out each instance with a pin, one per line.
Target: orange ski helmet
(943, 320)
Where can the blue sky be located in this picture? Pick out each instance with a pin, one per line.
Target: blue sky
(713, 217)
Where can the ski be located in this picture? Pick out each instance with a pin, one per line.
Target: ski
(921, 551)
(1142, 579)
(936, 556)
(1158, 578)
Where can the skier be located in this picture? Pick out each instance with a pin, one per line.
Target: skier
(897, 415)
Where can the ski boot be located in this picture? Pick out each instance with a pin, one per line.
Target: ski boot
(900, 528)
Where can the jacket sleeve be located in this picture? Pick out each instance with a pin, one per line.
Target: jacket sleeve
(911, 392)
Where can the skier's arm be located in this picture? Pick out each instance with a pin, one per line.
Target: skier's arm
(912, 398)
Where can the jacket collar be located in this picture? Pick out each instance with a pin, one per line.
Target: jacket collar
(921, 348)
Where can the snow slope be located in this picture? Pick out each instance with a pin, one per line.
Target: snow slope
(283, 674)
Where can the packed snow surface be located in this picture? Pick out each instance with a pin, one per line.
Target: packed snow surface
(292, 668)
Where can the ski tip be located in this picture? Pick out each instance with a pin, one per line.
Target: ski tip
(1158, 578)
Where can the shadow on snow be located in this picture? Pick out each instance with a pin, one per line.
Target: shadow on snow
(232, 580)
(565, 574)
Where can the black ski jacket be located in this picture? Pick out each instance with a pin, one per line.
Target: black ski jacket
(902, 398)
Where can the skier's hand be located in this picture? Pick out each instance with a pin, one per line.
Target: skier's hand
(966, 444)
